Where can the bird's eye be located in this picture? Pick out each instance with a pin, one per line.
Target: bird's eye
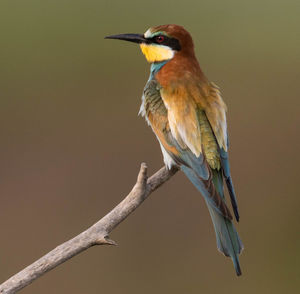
(160, 39)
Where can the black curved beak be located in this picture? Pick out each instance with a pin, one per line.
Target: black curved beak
(135, 38)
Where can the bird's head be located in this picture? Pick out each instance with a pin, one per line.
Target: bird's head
(161, 43)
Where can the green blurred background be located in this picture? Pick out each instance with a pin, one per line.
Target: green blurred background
(72, 143)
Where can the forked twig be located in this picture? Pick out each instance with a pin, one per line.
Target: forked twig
(97, 234)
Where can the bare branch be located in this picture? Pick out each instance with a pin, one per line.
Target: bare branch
(97, 234)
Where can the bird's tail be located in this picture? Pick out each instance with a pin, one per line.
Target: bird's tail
(228, 241)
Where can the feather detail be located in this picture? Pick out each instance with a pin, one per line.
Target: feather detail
(210, 146)
(209, 99)
(182, 117)
(227, 176)
(153, 108)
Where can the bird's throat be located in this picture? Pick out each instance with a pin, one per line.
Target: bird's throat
(156, 53)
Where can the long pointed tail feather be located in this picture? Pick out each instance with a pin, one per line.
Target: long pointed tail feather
(227, 176)
(228, 241)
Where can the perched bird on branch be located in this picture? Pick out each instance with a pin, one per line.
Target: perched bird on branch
(188, 116)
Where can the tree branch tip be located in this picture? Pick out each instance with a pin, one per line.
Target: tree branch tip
(142, 176)
(144, 165)
(110, 241)
(104, 241)
(144, 168)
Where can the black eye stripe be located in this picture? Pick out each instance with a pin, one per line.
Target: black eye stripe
(170, 42)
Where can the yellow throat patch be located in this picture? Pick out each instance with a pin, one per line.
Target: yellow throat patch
(156, 53)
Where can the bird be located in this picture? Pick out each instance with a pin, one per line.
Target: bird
(188, 116)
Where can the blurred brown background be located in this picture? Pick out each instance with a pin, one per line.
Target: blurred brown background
(72, 143)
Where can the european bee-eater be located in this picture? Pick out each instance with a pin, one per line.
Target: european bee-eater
(188, 116)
